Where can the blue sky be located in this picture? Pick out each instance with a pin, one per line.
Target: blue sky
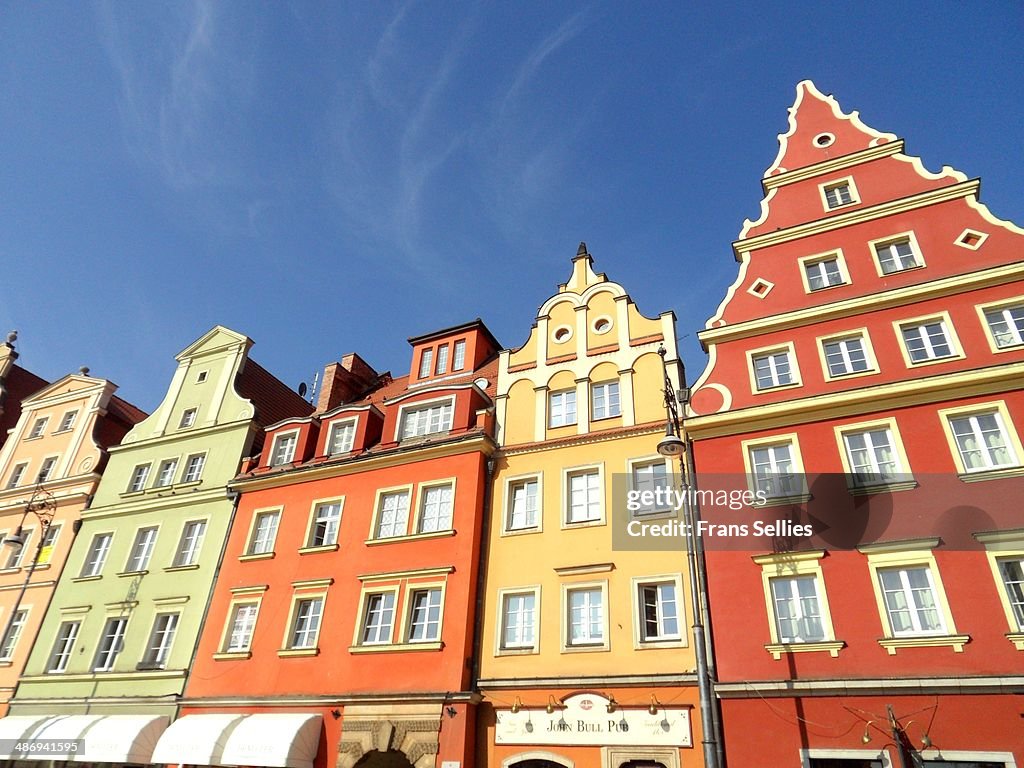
(337, 177)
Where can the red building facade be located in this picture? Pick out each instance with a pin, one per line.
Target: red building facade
(864, 378)
(340, 629)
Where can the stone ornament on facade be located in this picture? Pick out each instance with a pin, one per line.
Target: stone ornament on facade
(416, 739)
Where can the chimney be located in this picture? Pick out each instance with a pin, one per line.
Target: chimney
(344, 382)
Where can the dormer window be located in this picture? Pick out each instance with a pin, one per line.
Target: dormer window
(442, 359)
(342, 437)
(459, 358)
(426, 420)
(284, 449)
(426, 362)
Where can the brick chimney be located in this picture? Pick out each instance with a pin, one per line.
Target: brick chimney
(345, 381)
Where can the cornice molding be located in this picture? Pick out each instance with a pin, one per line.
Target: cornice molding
(869, 686)
(834, 164)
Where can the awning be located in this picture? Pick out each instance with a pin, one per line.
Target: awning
(271, 740)
(196, 740)
(104, 738)
(13, 729)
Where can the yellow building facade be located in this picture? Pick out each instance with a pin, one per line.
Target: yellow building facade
(585, 657)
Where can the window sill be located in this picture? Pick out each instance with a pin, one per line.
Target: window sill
(991, 474)
(654, 644)
(521, 531)
(133, 494)
(956, 642)
(596, 648)
(933, 361)
(851, 374)
(149, 666)
(4, 663)
(96, 577)
(437, 645)
(1017, 638)
(286, 653)
(882, 487)
(128, 574)
(517, 651)
(777, 388)
(228, 655)
(832, 646)
(320, 548)
(190, 484)
(38, 567)
(176, 568)
(11, 569)
(411, 537)
(566, 524)
(780, 501)
(257, 556)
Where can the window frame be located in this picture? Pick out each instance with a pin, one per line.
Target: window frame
(501, 648)
(288, 641)
(640, 639)
(291, 434)
(15, 558)
(201, 456)
(416, 524)
(1000, 547)
(332, 431)
(903, 478)
(864, 335)
(586, 469)
(508, 502)
(459, 355)
(649, 461)
(52, 535)
(243, 597)
(143, 478)
(66, 645)
(609, 386)
(14, 633)
(309, 540)
(1000, 305)
(1012, 439)
(113, 652)
(188, 418)
(816, 258)
(61, 427)
(17, 472)
(378, 501)
(848, 182)
(802, 493)
(147, 552)
(599, 587)
(251, 538)
(38, 428)
(786, 348)
(169, 466)
(949, 331)
(368, 592)
(194, 549)
(159, 660)
(93, 572)
(426, 363)
(564, 394)
(48, 465)
(882, 242)
(441, 359)
(426, 405)
(408, 619)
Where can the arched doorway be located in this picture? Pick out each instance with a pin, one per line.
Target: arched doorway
(535, 764)
(643, 764)
(389, 759)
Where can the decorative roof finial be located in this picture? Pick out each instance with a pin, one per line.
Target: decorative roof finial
(84, 370)
(12, 337)
(582, 250)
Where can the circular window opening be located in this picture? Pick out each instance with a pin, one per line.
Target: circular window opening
(824, 140)
(602, 324)
(562, 334)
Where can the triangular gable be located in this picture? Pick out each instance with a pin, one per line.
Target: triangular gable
(73, 382)
(216, 339)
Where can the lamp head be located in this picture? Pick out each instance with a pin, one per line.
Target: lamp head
(670, 445)
(15, 540)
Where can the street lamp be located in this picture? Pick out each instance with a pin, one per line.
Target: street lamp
(43, 506)
(670, 446)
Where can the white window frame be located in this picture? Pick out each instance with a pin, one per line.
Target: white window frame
(459, 355)
(188, 418)
(161, 639)
(796, 565)
(612, 403)
(9, 642)
(15, 557)
(828, 186)
(38, 428)
(255, 534)
(67, 421)
(664, 638)
(63, 646)
(641, 485)
(47, 468)
(383, 633)
(341, 427)
(901, 475)
(412, 611)
(771, 353)
(920, 324)
(588, 642)
(396, 530)
(142, 549)
(1003, 307)
(166, 472)
(107, 653)
(287, 449)
(321, 532)
(426, 363)
(568, 474)
(441, 366)
(860, 335)
(807, 263)
(17, 473)
(444, 523)
(521, 644)
(786, 589)
(559, 403)
(190, 543)
(798, 486)
(1006, 427)
(303, 630)
(139, 477)
(194, 466)
(509, 510)
(96, 555)
(235, 627)
(49, 542)
(883, 243)
(445, 409)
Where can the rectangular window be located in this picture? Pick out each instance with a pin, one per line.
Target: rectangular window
(188, 418)
(343, 435)
(927, 341)
(190, 544)
(846, 356)
(10, 640)
(659, 612)
(16, 474)
(38, 427)
(1006, 324)
(896, 256)
(459, 358)
(562, 408)
(523, 505)
(160, 638)
(1012, 573)
(442, 359)
(46, 470)
(63, 647)
(97, 555)
(838, 195)
(518, 620)
(911, 601)
(49, 541)
(142, 550)
(165, 476)
(242, 624)
(306, 625)
(284, 449)
(393, 515)
(425, 616)
(417, 422)
(872, 456)
(326, 519)
(67, 421)
(983, 442)
(436, 504)
(648, 479)
(824, 273)
(139, 476)
(797, 610)
(111, 643)
(426, 362)
(605, 400)
(586, 616)
(264, 533)
(379, 618)
(194, 468)
(774, 470)
(772, 370)
(17, 554)
(584, 497)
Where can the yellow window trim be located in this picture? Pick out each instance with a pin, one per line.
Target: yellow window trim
(905, 474)
(794, 365)
(989, 336)
(1013, 440)
(869, 353)
(951, 337)
(790, 565)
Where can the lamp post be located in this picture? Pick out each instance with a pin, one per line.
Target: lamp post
(670, 446)
(43, 506)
